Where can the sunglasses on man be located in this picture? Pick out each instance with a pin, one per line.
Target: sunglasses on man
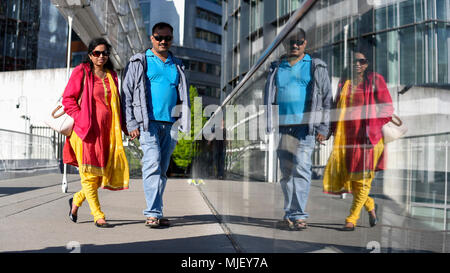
(360, 61)
(97, 53)
(296, 42)
(160, 38)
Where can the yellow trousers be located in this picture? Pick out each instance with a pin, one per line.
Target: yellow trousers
(89, 191)
(89, 182)
(361, 189)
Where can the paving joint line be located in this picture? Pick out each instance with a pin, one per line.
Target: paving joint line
(33, 207)
(32, 198)
(224, 227)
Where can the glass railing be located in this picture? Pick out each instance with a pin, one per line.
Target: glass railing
(254, 179)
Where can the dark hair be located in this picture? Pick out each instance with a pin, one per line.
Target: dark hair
(297, 34)
(367, 52)
(92, 45)
(161, 25)
(364, 49)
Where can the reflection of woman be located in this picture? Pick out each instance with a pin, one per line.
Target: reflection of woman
(363, 105)
(95, 145)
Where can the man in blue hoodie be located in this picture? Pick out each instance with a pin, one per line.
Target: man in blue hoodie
(153, 91)
(300, 86)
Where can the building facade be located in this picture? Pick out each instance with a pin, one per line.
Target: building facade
(34, 35)
(411, 37)
(197, 39)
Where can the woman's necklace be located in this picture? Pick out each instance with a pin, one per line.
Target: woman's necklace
(106, 91)
(103, 77)
(100, 73)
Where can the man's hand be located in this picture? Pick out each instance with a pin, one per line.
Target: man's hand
(134, 134)
(320, 138)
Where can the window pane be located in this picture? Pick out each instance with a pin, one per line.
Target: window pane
(392, 16)
(442, 9)
(380, 18)
(407, 56)
(420, 55)
(443, 34)
(406, 12)
(419, 11)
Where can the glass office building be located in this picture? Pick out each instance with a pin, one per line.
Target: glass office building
(33, 35)
(408, 44)
(197, 39)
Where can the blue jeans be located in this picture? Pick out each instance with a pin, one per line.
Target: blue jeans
(294, 152)
(157, 144)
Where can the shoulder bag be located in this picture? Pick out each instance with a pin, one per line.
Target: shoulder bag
(58, 120)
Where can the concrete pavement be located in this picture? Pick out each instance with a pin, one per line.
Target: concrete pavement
(34, 218)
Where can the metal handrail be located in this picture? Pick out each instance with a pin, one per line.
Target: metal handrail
(22, 133)
(426, 135)
(290, 25)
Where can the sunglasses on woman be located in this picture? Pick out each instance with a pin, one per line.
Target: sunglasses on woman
(360, 61)
(97, 53)
(159, 38)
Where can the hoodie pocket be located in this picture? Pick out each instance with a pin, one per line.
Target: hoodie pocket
(137, 111)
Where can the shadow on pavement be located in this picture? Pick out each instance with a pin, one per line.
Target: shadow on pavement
(213, 244)
(15, 190)
(203, 244)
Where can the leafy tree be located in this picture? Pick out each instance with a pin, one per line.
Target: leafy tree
(184, 151)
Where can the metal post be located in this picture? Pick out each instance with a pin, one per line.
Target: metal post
(409, 178)
(64, 185)
(446, 185)
(271, 167)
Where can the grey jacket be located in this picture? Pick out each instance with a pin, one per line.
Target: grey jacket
(318, 112)
(134, 95)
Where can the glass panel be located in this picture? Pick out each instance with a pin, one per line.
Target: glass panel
(392, 15)
(407, 56)
(443, 35)
(406, 12)
(419, 10)
(381, 69)
(442, 8)
(430, 9)
(380, 18)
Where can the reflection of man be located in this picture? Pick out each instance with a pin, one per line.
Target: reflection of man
(300, 86)
(153, 85)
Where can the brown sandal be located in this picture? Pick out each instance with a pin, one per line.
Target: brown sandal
(104, 225)
(152, 222)
(299, 224)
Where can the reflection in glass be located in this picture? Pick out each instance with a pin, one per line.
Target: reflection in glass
(408, 48)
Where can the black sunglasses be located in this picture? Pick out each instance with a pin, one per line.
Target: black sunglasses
(361, 61)
(296, 42)
(159, 38)
(97, 53)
